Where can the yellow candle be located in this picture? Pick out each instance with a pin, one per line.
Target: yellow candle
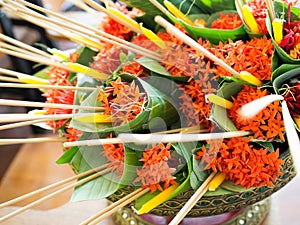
(216, 181)
(123, 17)
(78, 68)
(37, 112)
(277, 25)
(94, 118)
(177, 13)
(217, 100)
(297, 120)
(153, 37)
(248, 77)
(249, 19)
(27, 79)
(158, 199)
(58, 53)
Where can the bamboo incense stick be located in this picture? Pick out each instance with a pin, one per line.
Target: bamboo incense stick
(116, 206)
(271, 9)
(17, 212)
(86, 27)
(100, 8)
(47, 105)
(23, 45)
(9, 118)
(18, 49)
(52, 186)
(37, 59)
(156, 138)
(13, 85)
(189, 41)
(21, 124)
(192, 201)
(12, 73)
(88, 33)
(14, 141)
(111, 207)
(9, 79)
(159, 6)
(92, 34)
(80, 4)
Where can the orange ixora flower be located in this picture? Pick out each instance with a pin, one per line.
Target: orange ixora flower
(242, 163)
(267, 124)
(116, 29)
(194, 105)
(133, 68)
(254, 56)
(123, 101)
(227, 21)
(72, 134)
(115, 155)
(107, 60)
(58, 77)
(155, 168)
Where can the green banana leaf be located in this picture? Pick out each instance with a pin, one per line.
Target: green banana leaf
(219, 114)
(147, 7)
(284, 78)
(246, 28)
(281, 10)
(213, 35)
(158, 70)
(284, 68)
(157, 109)
(230, 186)
(211, 6)
(88, 157)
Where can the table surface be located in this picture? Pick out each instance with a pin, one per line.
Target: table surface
(34, 167)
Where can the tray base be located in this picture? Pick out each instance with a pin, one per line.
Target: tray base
(251, 215)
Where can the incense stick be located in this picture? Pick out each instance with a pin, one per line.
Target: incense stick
(192, 201)
(23, 45)
(13, 85)
(10, 215)
(12, 73)
(88, 33)
(104, 10)
(159, 6)
(9, 118)
(47, 105)
(157, 138)
(111, 207)
(9, 79)
(80, 4)
(101, 33)
(14, 141)
(18, 49)
(115, 207)
(271, 9)
(36, 58)
(51, 186)
(189, 41)
(21, 124)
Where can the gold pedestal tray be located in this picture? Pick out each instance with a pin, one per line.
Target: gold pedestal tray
(250, 215)
(219, 204)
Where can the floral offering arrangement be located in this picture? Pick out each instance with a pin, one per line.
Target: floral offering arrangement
(166, 97)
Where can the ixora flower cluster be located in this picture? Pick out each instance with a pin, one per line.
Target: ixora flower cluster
(173, 106)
